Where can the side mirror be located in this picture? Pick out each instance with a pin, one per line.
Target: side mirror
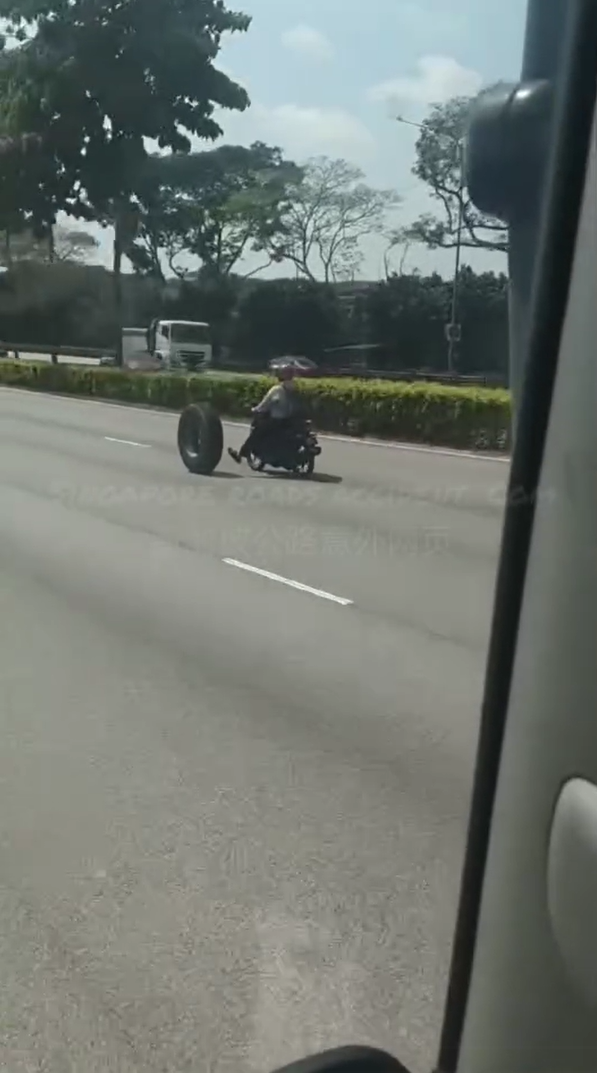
(347, 1060)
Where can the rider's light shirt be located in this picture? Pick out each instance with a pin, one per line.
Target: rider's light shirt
(279, 401)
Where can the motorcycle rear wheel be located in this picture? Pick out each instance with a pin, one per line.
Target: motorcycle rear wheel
(255, 463)
(306, 468)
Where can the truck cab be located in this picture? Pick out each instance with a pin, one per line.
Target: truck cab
(181, 344)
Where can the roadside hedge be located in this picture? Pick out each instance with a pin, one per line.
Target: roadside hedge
(473, 418)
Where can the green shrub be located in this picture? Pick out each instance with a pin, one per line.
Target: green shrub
(477, 418)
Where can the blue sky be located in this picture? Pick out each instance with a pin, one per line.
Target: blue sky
(326, 77)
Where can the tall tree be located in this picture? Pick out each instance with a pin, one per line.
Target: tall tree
(94, 80)
(282, 316)
(73, 244)
(329, 213)
(406, 315)
(439, 164)
(214, 207)
(58, 244)
(19, 183)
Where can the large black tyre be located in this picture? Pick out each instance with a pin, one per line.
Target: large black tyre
(200, 438)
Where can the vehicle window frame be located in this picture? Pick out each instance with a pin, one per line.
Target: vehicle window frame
(572, 129)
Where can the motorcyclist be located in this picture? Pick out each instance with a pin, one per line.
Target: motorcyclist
(272, 415)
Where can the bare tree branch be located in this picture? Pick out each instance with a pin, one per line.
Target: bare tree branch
(439, 165)
(331, 210)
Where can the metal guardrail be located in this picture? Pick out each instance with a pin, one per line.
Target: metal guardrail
(416, 376)
(411, 375)
(57, 351)
(360, 373)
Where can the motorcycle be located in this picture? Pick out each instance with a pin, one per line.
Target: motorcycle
(294, 450)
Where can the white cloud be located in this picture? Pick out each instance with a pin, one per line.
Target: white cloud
(306, 41)
(438, 78)
(308, 131)
(302, 132)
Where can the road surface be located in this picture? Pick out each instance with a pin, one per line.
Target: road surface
(232, 803)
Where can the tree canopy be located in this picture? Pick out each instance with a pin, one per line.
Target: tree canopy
(253, 320)
(439, 164)
(287, 316)
(214, 207)
(328, 214)
(94, 80)
(205, 211)
(59, 244)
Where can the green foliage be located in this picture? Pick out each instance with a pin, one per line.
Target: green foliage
(57, 244)
(255, 320)
(213, 206)
(483, 312)
(216, 206)
(407, 315)
(287, 317)
(94, 80)
(417, 413)
(27, 189)
(213, 299)
(67, 303)
(439, 164)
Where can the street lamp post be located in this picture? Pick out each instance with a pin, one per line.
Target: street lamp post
(452, 328)
(454, 333)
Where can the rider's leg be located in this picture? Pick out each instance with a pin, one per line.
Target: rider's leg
(252, 441)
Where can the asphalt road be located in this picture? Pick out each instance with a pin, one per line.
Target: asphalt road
(232, 806)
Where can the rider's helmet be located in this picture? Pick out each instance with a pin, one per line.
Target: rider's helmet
(286, 372)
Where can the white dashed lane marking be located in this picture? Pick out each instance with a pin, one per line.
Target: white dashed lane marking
(323, 595)
(128, 443)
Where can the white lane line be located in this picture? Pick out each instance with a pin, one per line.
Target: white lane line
(393, 445)
(129, 443)
(412, 448)
(289, 581)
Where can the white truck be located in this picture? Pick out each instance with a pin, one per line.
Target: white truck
(167, 344)
(180, 344)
